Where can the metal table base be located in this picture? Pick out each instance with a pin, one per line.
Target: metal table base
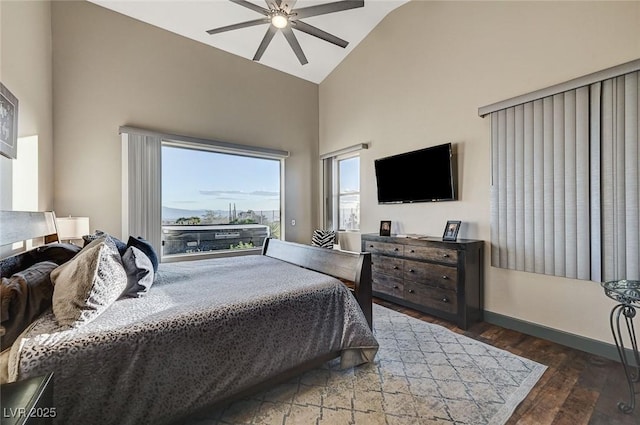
(626, 313)
(627, 293)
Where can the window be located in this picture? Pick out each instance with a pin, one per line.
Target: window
(342, 188)
(349, 193)
(192, 196)
(25, 175)
(214, 201)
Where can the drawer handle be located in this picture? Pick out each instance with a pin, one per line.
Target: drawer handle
(412, 251)
(370, 246)
(445, 277)
(445, 300)
(395, 249)
(411, 271)
(395, 286)
(395, 267)
(411, 291)
(445, 255)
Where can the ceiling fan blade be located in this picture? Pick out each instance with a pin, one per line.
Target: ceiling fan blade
(322, 9)
(240, 25)
(317, 32)
(273, 4)
(251, 6)
(293, 42)
(287, 5)
(265, 42)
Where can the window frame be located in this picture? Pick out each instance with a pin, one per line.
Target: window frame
(141, 179)
(203, 147)
(332, 193)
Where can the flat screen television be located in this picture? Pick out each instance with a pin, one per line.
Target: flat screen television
(425, 175)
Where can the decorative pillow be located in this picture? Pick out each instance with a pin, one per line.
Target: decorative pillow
(25, 296)
(16, 263)
(144, 246)
(323, 238)
(90, 238)
(59, 253)
(139, 272)
(122, 247)
(87, 285)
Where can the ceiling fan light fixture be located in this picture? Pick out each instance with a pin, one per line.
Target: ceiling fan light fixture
(281, 15)
(279, 20)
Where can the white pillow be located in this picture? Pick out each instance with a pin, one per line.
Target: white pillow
(87, 284)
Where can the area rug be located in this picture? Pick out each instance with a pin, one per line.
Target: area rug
(423, 374)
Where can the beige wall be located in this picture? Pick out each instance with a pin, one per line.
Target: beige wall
(418, 79)
(25, 69)
(110, 70)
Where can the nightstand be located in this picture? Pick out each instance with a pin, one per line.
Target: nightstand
(28, 402)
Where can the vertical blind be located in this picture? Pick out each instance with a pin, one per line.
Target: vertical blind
(620, 111)
(142, 188)
(565, 182)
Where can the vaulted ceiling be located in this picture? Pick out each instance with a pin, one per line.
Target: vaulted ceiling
(192, 19)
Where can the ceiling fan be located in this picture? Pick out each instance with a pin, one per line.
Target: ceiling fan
(282, 16)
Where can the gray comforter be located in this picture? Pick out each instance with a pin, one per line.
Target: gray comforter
(206, 330)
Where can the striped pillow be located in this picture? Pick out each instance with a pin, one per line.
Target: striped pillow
(323, 238)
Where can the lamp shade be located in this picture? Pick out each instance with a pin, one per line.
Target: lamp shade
(72, 227)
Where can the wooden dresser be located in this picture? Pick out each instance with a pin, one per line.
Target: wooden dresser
(441, 278)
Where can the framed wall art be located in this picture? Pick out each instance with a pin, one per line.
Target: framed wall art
(8, 123)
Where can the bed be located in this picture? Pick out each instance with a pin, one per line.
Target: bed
(206, 332)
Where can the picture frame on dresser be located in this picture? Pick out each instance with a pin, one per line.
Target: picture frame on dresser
(8, 123)
(451, 230)
(385, 228)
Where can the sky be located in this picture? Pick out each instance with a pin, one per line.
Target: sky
(350, 174)
(200, 180)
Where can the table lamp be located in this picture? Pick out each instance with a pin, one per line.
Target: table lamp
(70, 228)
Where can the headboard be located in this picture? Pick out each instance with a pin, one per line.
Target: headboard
(23, 226)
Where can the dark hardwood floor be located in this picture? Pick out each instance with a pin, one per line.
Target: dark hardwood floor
(577, 388)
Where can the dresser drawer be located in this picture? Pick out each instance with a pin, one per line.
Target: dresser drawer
(387, 265)
(387, 285)
(432, 274)
(385, 248)
(428, 296)
(441, 255)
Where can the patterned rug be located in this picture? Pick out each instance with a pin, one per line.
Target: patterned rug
(423, 374)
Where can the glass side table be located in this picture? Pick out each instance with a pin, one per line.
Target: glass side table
(627, 294)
